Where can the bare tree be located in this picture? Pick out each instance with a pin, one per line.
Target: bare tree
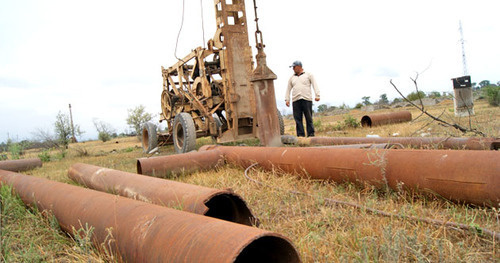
(104, 130)
(438, 119)
(46, 138)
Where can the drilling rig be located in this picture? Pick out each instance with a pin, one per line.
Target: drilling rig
(216, 91)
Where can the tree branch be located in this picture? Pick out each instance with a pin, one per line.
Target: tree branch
(439, 120)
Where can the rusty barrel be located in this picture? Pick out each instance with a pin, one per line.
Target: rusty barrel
(463, 176)
(20, 165)
(415, 142)
(385, 118)
(164, 166)
(141, 232)
(222, 204)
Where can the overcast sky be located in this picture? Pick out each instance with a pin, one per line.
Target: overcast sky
(105, 57)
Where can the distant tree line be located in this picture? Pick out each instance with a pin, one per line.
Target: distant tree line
(61, 136)
(489, 91)
(484, 90)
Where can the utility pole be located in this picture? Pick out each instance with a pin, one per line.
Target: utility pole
(73, 138)
(462, 41)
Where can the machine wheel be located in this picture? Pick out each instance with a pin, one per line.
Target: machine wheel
(149, 137)
(184, 133)
(282, 123)
(218, 124)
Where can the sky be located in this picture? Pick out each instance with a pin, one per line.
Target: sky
(105, 57)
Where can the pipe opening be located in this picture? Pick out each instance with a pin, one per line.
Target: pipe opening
(139, 168)
(366, 121)
(230, 208)
(495, 145)
(268, 249)
(145, 139)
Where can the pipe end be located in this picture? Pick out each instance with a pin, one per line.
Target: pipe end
(269, 249)
(230, 207)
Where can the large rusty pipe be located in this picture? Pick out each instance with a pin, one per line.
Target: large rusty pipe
(366, 146)
(164, 166)
(463, 176)
(385, 118)
(142, 232)
(263, 83)
(415, 142)
(20, 165)
(222, 204)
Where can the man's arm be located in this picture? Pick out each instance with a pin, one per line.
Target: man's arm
(315, 87)
(287, 94)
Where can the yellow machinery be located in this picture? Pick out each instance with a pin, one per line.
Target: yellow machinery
(210, 92)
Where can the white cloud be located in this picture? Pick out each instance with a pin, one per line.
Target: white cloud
(105, 56)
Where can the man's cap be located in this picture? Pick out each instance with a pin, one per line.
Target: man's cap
(296, 63)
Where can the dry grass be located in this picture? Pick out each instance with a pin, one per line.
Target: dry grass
(321, 232)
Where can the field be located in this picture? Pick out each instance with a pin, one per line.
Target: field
(321, 232)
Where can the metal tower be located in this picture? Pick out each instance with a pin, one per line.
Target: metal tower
(462, 41)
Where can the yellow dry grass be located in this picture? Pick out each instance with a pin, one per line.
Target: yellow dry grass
(323, 232)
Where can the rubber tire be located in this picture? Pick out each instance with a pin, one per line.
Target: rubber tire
(184, 133)
(218, 124)
(149, 137)
(282, 123)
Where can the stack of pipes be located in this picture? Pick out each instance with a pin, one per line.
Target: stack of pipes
(214, 226)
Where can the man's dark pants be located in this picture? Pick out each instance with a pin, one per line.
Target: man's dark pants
(303, 107)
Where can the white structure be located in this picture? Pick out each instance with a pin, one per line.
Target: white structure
(463, 99)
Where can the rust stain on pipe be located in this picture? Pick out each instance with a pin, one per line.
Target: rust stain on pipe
(415, 142)
(221, 204)
(385, 118)
(142, 232)
(164, 166)
(20, 165)
(463, 176)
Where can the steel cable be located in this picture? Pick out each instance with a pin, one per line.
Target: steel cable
(178, 34)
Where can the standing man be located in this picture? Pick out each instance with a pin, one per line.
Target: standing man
(300, 85)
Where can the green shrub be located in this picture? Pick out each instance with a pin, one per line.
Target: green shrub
(104, 136)
(44, 155)
(60, 155)
(318, 125)
(492, 94)
(415, 96)
(351, 122)
(16, 150)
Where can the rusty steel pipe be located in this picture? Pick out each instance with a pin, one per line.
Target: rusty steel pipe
(463, 176)
(142, 232)
(20, 165)
(263, 83)
(165, 166)
(365, 146)
(415, 142)
(221, 204)
(385, 118)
